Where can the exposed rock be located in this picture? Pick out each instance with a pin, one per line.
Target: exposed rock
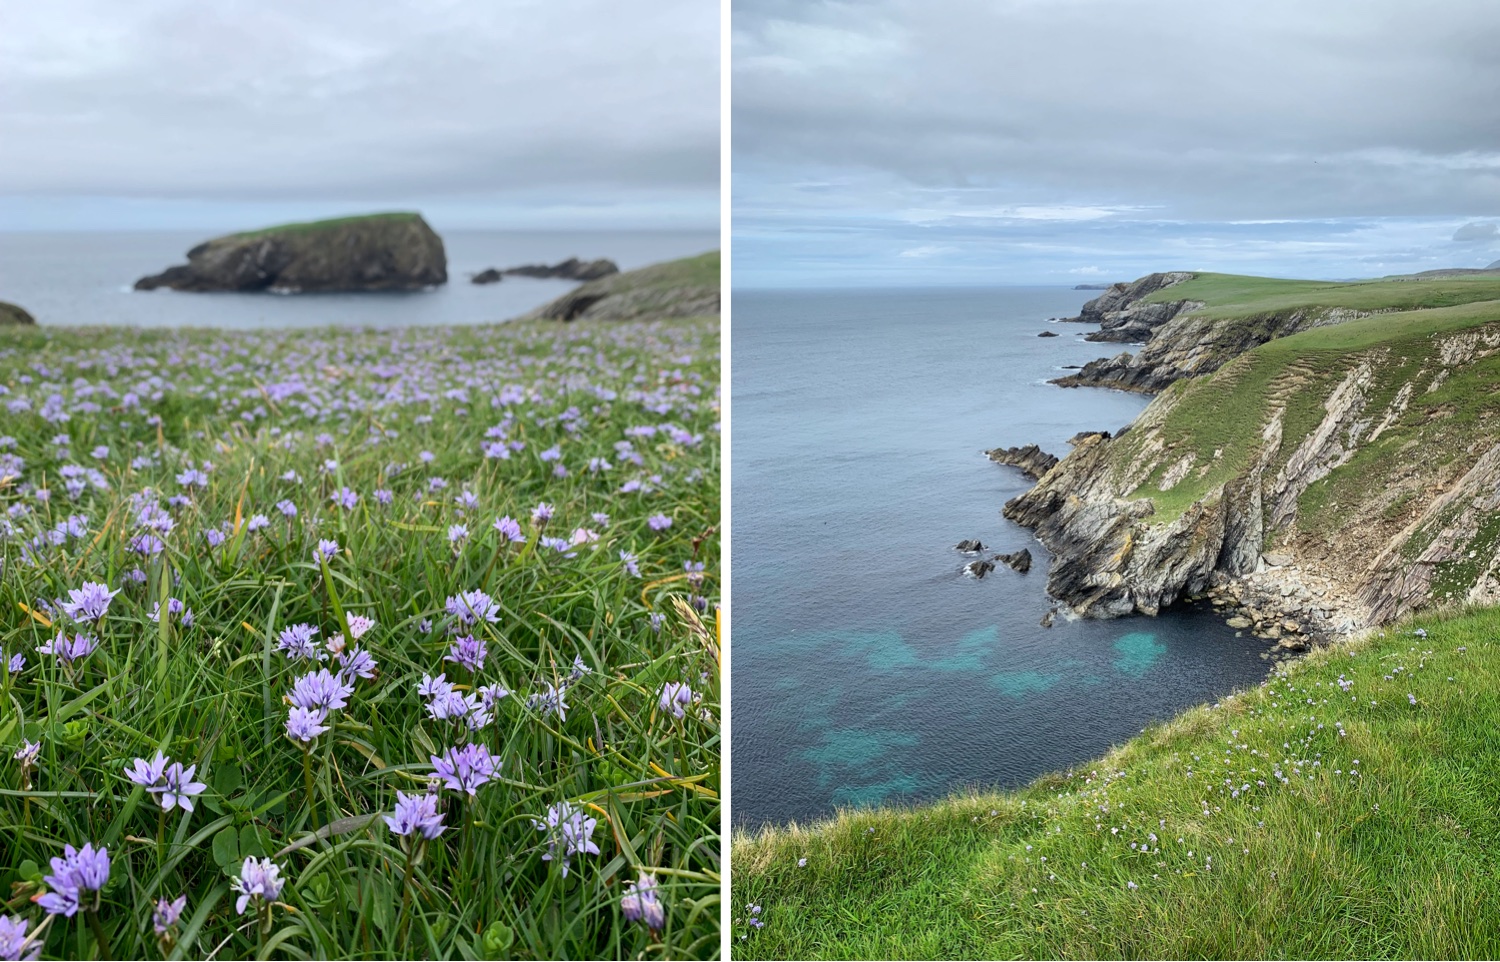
(1082, 436)
(487, 276)
(978, 569)
(380, 252)
(1017, 560)
(1122, 317)
(1239, 621)
(1092, 287)
(1047, 334)
(1277, 559)
(969, 547)
(1049, 617)
(682, 288)
(571, 269)
(1032, 460)
(10, 314)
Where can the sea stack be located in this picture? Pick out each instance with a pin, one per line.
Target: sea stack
(376, 252)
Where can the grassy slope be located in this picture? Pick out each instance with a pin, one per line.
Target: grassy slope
(699, 271)
(1267, 842)
(1224, 412)
(1229, 295)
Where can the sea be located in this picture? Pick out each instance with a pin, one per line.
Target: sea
(85, 278)
(867, 669)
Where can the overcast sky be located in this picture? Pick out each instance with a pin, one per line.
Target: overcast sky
(891, 142)
(229, 113)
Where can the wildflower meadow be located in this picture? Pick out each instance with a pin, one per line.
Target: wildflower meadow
(360, 643)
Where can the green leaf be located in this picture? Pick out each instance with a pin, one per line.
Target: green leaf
(226, 849)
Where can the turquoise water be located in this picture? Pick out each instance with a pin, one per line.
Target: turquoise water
(866, 668)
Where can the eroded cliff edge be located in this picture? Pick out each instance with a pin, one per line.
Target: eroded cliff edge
(1327, 480)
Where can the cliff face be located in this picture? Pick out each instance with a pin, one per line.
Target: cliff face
(382, 252)
(682, 288)
(1342, 477)
(1121, 314)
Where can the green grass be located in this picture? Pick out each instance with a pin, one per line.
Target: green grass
(1266, 843)
(1231, 295)
(303, 227)
(699, 271)
(344, 409)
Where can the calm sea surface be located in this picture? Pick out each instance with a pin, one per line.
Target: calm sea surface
(85, 278)
(866, 667)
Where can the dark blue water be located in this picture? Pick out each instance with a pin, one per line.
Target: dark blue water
(866, 667)
(85, 278)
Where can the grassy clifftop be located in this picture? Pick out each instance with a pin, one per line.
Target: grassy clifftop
(1344, 809)
(1230, 295)
(688, 287)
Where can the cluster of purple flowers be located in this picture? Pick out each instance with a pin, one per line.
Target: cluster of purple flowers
(259, 882)
(465, 768)
(640, 903)
(77, 872)
(675, 697)
(416, 814)
(69, 650)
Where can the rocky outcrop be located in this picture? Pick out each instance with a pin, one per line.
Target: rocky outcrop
(1123, 317)
(571, 269)
(683, 288)
(381, 252)
(1032, 460)
(487, 276)
(1048, 334)
(10, 314)
(1016, 560)
(1190, 344)
(969, 547)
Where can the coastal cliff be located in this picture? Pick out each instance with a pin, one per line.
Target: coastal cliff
(1323, 481)
(682, 288)
(379, 252)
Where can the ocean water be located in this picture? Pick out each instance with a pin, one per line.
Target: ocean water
(866, 667)
(85, 278)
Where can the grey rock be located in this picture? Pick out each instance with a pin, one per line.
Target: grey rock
(10, 314)
(487, 276)
(1032, 460)
(1018, 560)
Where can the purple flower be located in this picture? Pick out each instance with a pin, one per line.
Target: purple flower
(551, 454)
(580, 668)
(69, 650)
(320, 691)
(179, 787)
(147, 544)
(27, 753)
(13, 940)
(542, 513)
(464, 769)
(570, 828)
(355, 663)
(345, 498)
(16, 664)
(303, 725)
(78, 871)
(473, 606)
(214, 537)
(296, 642)
(659, 522)
(259, 879)
(148, 775)
(257, 522)
(286, 508)
(359, 626)
(458, 534)
(174, 607)
(327, 549)
(550, 699)
(383, 496)
(416, 813)
(510, 529)
(630, 562)
(675, 697)
(640, 903)
(89, 603)
(656, 621)
(467, 651)
(166, 914)
(490, 695)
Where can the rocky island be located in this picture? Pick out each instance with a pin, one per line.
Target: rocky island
(376, 252)
(682, 288)
(571, 269)
(1321, 457)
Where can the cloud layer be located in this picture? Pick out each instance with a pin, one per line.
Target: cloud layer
(983, 119)
(572, 103)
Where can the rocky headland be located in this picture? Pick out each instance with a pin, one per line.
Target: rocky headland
(378, 252)
(11, 314)
(681, 288)
(1308, 483)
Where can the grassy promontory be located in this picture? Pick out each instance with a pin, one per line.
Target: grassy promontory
(1346, 808)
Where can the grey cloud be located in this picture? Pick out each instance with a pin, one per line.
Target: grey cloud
(1473, 232)
(1273, 109)
(280, 99)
